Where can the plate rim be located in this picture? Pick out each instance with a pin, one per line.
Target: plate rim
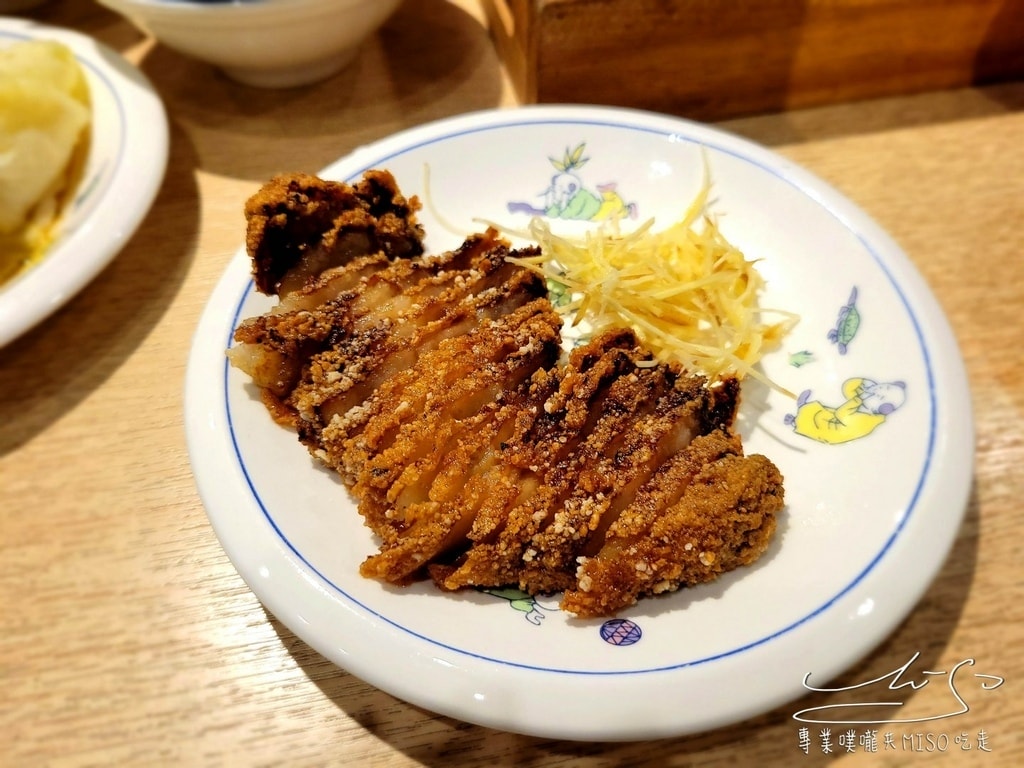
(923, 303)
(80, 255)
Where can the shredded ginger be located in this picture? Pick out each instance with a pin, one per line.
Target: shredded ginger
(689, 294)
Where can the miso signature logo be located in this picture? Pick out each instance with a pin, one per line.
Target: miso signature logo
(953, 703)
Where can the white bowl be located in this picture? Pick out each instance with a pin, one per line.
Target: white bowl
(266, 43)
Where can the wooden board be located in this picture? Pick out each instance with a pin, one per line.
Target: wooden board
(711, 59)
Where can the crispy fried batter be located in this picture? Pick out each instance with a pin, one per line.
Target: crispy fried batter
(433, 386)
(306, 354)
(706, 511)
(417, 414)
(668, 413)
(545, 457)
(299, 225)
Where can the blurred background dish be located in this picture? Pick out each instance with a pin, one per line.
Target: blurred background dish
(124, 168)
(265, 43)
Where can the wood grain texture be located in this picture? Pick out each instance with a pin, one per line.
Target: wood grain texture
(126, 636)
(711, 60)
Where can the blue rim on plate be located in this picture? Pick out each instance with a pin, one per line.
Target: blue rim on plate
(403, 643)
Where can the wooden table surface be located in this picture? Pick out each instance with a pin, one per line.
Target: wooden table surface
(126, 636)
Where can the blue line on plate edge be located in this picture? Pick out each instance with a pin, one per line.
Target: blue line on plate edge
(785, 630)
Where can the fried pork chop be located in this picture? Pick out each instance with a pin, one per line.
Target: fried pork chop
(478, 452)
(299, 225)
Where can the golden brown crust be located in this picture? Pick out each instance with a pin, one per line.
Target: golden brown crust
(723, 518)
(419, 415)
(433, 386)
(298, 225)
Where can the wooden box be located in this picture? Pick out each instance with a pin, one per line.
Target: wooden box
(713, 59)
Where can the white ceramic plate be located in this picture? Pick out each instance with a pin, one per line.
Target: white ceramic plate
(871, 512)
(125, 167)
